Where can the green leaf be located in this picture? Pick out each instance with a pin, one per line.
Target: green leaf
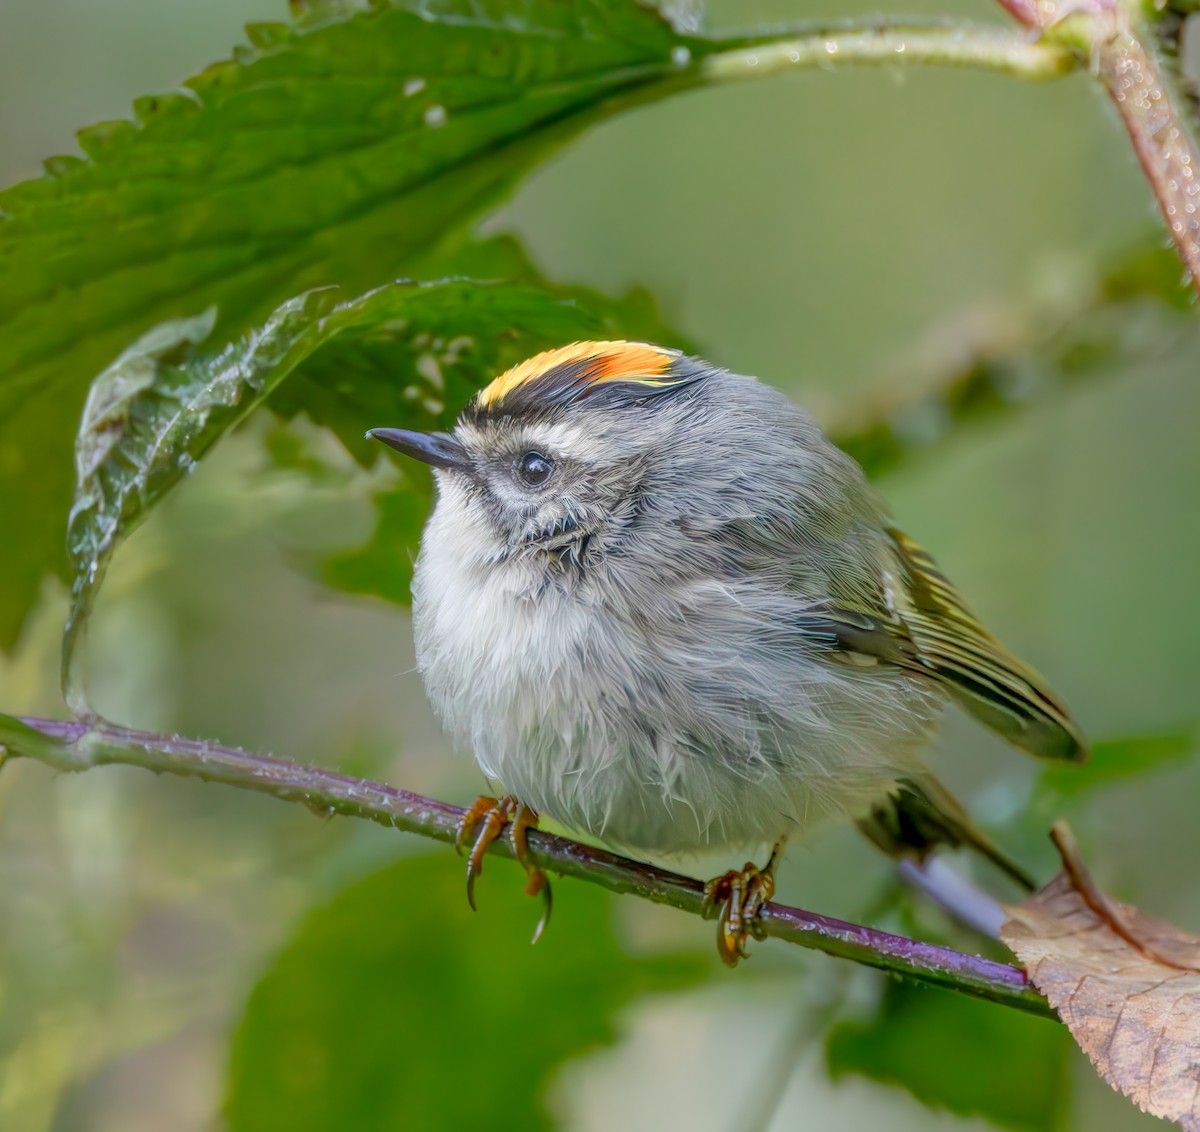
(383, 567)
(350, 148)
(352, 384)
(953, 1052)
(396, 1007)
(156, 411)
(1118, 759)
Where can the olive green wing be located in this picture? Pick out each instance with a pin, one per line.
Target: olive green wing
(979, 672)
(918, 621)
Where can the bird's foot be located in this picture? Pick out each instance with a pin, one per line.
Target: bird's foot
(735, 899)
(484, 823)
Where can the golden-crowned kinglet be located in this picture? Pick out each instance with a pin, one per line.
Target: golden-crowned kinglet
(661, 607)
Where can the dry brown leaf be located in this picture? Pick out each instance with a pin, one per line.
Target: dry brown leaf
(1126, 985)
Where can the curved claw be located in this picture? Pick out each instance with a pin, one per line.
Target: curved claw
(736, 900)
(482, 824)
(488, 816)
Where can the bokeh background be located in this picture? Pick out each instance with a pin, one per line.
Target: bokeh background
(843, 235)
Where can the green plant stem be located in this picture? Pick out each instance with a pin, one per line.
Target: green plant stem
(884, 43)
(77, 746)
(1112, 37)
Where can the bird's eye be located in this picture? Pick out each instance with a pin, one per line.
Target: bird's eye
(534, 468)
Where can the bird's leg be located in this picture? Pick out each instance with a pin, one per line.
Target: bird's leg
(482, 824)
(536, 881)
(735, 899)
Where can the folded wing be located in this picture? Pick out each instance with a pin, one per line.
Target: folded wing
(923, 624)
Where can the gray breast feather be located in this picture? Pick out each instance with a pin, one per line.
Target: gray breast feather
(709, 716)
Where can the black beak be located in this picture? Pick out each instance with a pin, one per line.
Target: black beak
(437, 448)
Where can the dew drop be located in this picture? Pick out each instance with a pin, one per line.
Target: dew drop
(435, 116)
(680, 56)
(427, 366)
(413, 86)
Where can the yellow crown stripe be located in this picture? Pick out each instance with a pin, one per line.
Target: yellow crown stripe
(611, 361)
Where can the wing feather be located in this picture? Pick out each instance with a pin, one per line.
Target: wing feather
(993, 685)
(920, 622)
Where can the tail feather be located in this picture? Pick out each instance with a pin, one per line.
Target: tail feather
(917, 817)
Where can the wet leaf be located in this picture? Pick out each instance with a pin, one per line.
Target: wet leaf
(1127, 986)
(396, 1007)
(352, 384)
(156, 411)
(349, 148)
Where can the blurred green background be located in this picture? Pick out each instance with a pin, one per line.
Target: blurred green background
(838, 234)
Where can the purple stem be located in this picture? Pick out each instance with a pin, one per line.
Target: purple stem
(77, 746)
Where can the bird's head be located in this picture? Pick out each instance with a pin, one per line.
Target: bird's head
(553, 459)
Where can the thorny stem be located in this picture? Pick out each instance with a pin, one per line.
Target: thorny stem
(1163, 144)
(77, 746)
(1113, 39)
(1108, 36)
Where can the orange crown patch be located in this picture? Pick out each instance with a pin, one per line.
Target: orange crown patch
(599, 363)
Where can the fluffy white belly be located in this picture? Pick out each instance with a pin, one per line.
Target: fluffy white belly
(669, 741)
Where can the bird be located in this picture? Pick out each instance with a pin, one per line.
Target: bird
(660, 607)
